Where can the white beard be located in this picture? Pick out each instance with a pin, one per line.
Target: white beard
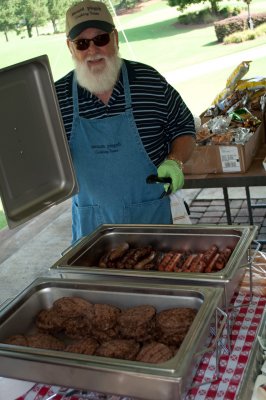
(98, 81)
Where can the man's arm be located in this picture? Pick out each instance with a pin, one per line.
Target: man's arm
(181, 148)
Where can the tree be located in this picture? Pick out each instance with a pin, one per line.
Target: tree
(33, 13)
(57, 10)
(250, 22)
(182, 4)
(8, 18)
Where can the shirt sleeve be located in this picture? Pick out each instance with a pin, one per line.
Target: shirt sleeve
(180, 120)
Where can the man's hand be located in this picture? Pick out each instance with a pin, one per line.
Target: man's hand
(171, 169)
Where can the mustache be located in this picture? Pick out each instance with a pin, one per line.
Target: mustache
(95, 58)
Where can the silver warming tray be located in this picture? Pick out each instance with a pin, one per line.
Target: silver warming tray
(168, 381)
(82, 258)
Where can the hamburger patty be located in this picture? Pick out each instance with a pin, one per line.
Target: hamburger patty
(172, 325)
(119, 348)
(49, 321)
(105, 316)
(105, 336)
(45, 341)
(77, 327)
(174, 319)
(137, 315)
(17, 340)
(68, 307)
(155, 353)
(84, 346)
(38, 340)
(137, 322)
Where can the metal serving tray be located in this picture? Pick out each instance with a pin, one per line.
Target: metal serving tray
(36, 169)
(81, 259)
(168, 381)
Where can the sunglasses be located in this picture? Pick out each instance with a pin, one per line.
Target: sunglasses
(99, 41)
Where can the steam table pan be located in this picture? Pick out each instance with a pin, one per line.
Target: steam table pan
(81, 260)
(168, 380)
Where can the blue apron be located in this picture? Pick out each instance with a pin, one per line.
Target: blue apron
(111, 166)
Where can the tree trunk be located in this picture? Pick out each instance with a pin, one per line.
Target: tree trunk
(5, 32)
(29, 28)
(214, 6)
(54, 25)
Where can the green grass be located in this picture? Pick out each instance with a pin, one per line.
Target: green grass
(2, 220)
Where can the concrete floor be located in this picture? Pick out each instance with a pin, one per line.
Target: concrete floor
(28, 252)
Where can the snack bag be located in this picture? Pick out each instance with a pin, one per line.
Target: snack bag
(232, 81)
(237, 74)
(253, 84)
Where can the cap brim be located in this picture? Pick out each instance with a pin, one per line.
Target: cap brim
(76, 30)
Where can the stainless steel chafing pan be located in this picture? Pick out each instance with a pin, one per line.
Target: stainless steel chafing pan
(82, 258)
(169, 380)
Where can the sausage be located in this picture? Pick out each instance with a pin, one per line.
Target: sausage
(201, 266)
(145, 261)
(170, 267)
(209, 254)
(187, 263)
(227, 252)
(133, 256)
(119, 251)
(224, 256)
(178, 266)
(104, 259)
(157, 259)
(141, 252)
(166, 259)
(211, 265)
(195, 261)
(125, 260)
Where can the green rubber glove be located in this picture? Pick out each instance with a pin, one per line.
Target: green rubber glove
(170, 169)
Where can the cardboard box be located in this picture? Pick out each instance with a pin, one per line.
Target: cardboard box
(216, 159)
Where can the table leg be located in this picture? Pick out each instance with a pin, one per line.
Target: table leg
(227, 206)
(249, 205)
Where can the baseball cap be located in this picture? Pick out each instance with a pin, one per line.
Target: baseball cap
(88, 14)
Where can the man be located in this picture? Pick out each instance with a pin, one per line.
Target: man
(124, 122)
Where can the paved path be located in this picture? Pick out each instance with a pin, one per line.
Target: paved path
(204, 68)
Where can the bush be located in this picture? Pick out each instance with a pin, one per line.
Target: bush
(206, 16)
(229, 11)
(248, 34)
(199, 17)
(239, 23)
(261, 29)
(228, 26)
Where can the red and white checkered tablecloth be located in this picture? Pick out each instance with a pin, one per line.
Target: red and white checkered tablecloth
(243, 333)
